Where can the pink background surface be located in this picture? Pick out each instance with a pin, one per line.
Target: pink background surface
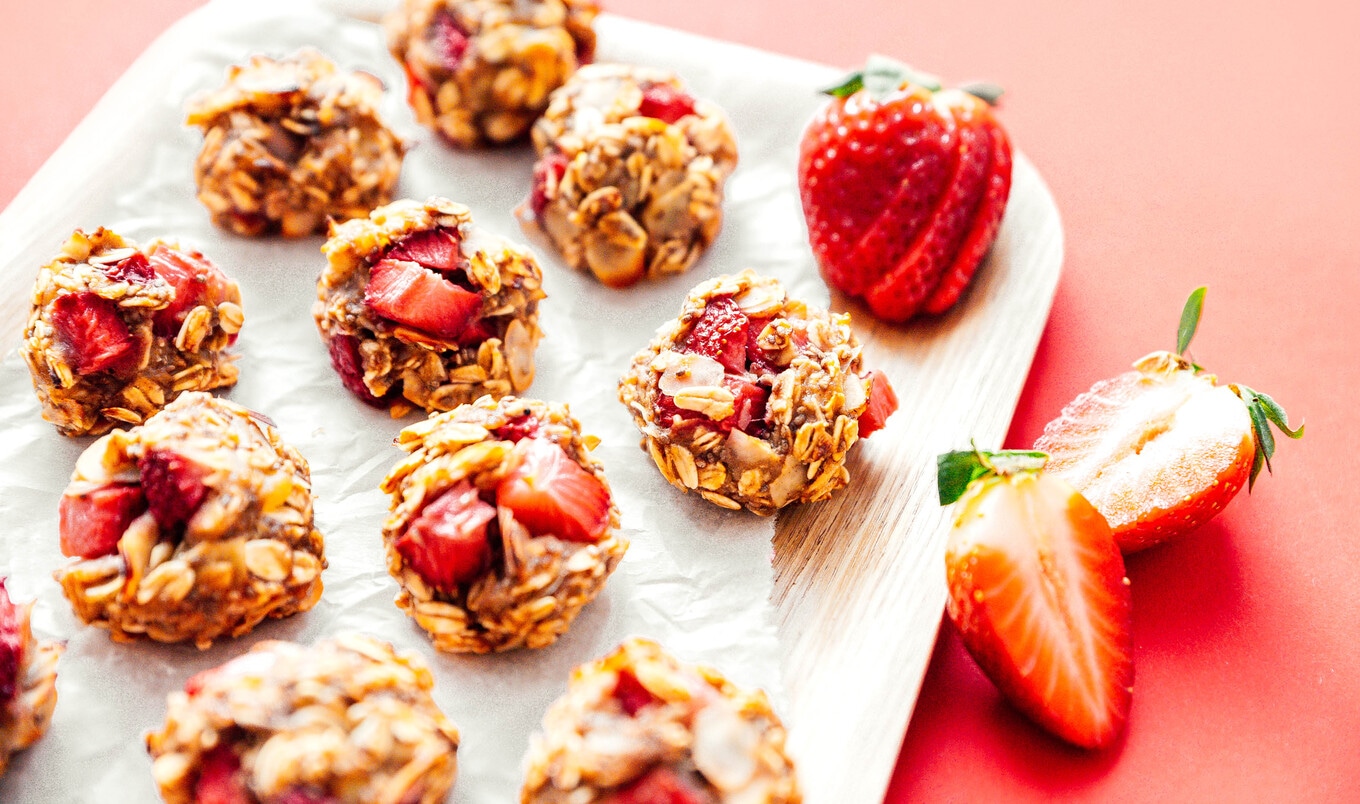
(1185, 143)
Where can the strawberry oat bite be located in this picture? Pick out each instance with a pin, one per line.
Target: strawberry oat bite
(28, 679)
(639, 727)
(752, 398)
(418, 307)
(479, 71)
(629, 180)
(190, 527)
(345, 721)
(502, 526)
(115, 330)
(290, 143)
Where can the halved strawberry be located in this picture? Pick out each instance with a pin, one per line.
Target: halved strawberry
(173, 486)
(450, 39)
(548, 170)
(195, 280)
(220, 779)
(665, 103)
(720, 333)
(437, 249)
(661, 785)
(407, 293)
(630, 693)
(447, 543)
(549, 493)
(1038, 592)
(882, 404)
(90, 524)
(93, 334)
(344, 351)
(1160, 450)
(11, 646)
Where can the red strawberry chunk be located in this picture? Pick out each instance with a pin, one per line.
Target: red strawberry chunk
(221, 781)
(749, 407)
(135, 269)
(344, 350)
(406, 293)
(195, 280)
(720, 333)
(437, 249)
(93, 334)
(665, 103)
(91, 524)
(667, 411)
(450, 39)
(882, 404)
(550, 494)
(548, 171)
(173, 486)
(11, 646)
(447, 545)
(304, 795)
(526, 425)
(630, 693)
(661, 785)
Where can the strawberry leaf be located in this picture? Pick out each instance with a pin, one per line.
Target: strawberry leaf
(882, 75)
(1264, 412)
(986, 90)
(955, 471)
(1194, 306)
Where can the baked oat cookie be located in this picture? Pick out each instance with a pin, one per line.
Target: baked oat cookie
(639, 727)
(346, 721)
(116, 330)
(502, 526)
(195, 525)
(754, 399)
(28, 679)
(479, 71)
(290, 143)
(419, 307)
(630, 175)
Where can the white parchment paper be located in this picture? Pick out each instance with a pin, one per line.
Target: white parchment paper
(697, 578)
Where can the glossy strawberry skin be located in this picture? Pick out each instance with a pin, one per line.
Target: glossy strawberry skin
(344, 352)
(664, 102)
(93, 334)
(882, 404)
(447, 543)
(196, 280)
(173, 486)
(720, 333)
(90, 524)
(219, 781)
(630, 693)
(11, 646)
(438, 249)
(407, 293)
(551, 494)
(1038, 593)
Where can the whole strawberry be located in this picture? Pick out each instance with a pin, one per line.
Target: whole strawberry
(903, 186)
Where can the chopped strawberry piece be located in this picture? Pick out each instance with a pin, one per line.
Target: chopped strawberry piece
(661, 785)
(450, 39)
(665, 103)
(548, 171)
(304, 795)
(437, 249)
(447, 545)
(195, 280)
(757, 359)
(220, 781)
(11, 646)
(549, 493)
(667, 411)
(749, 407)
(173, 486)
(882, 404)
(135, 269)
(93, 334)
(526, 425)
(720, 333)
(344, 351)
(406, 293)
(630, 693)
(91, 524)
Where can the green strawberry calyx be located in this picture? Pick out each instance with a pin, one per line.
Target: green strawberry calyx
(956, 471)
(883, 75)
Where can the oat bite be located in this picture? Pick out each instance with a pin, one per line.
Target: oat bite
(289, 143)
(28, 679)
(629, 180)
(639, 727)
(752, 398)
(419, 307)
(345, 721)
(116, 330)
(193, 526)
(479, 71)
(502, 526)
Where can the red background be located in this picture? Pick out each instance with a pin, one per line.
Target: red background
(1186, 144)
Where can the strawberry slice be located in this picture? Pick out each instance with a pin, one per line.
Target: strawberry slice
(550, 494)
(1038, 592)
(11, 646)
(665, 103)
(450, 39)
(548, 171)
(93, 334)
(630, 693)
(882, 404)
(447, 545)
(437, 249)
(406, 293)
(661, 785)
(344, 351)
(173, 486)
(220, 781)
(195, 280)
(91, 524)
(720, 333)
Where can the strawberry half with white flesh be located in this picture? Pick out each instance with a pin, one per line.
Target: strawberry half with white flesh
(1038, 592)
(1160, 450)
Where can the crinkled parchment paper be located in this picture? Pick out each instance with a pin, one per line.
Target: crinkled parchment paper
(697, 578)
